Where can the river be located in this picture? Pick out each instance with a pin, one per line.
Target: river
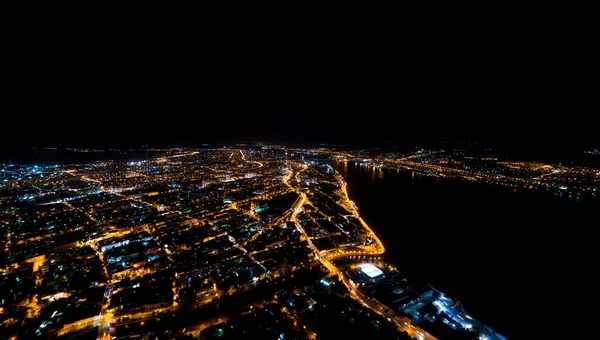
(504, 254)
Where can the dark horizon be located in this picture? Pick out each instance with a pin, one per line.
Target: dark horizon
(138, 119)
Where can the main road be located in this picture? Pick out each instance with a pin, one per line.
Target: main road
(401, 323)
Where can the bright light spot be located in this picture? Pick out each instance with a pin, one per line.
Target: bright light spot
(370, 270)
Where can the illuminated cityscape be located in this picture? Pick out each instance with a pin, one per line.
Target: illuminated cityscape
(444, 183)
(573, 180)
(209, 243)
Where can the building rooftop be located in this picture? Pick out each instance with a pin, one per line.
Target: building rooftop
(370, 270)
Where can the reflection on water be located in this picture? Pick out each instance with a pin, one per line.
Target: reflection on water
(485, 245)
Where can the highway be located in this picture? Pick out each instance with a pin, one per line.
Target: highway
(104, 328)
(352, 208)
(401, 323)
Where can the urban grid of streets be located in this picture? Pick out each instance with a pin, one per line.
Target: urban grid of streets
(107, 244)
(110, 194)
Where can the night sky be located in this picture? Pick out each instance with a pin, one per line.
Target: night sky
(430, 115)
(104, 82)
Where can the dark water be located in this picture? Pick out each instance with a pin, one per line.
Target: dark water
(508, 256)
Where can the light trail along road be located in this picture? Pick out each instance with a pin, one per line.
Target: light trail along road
(401, 323)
